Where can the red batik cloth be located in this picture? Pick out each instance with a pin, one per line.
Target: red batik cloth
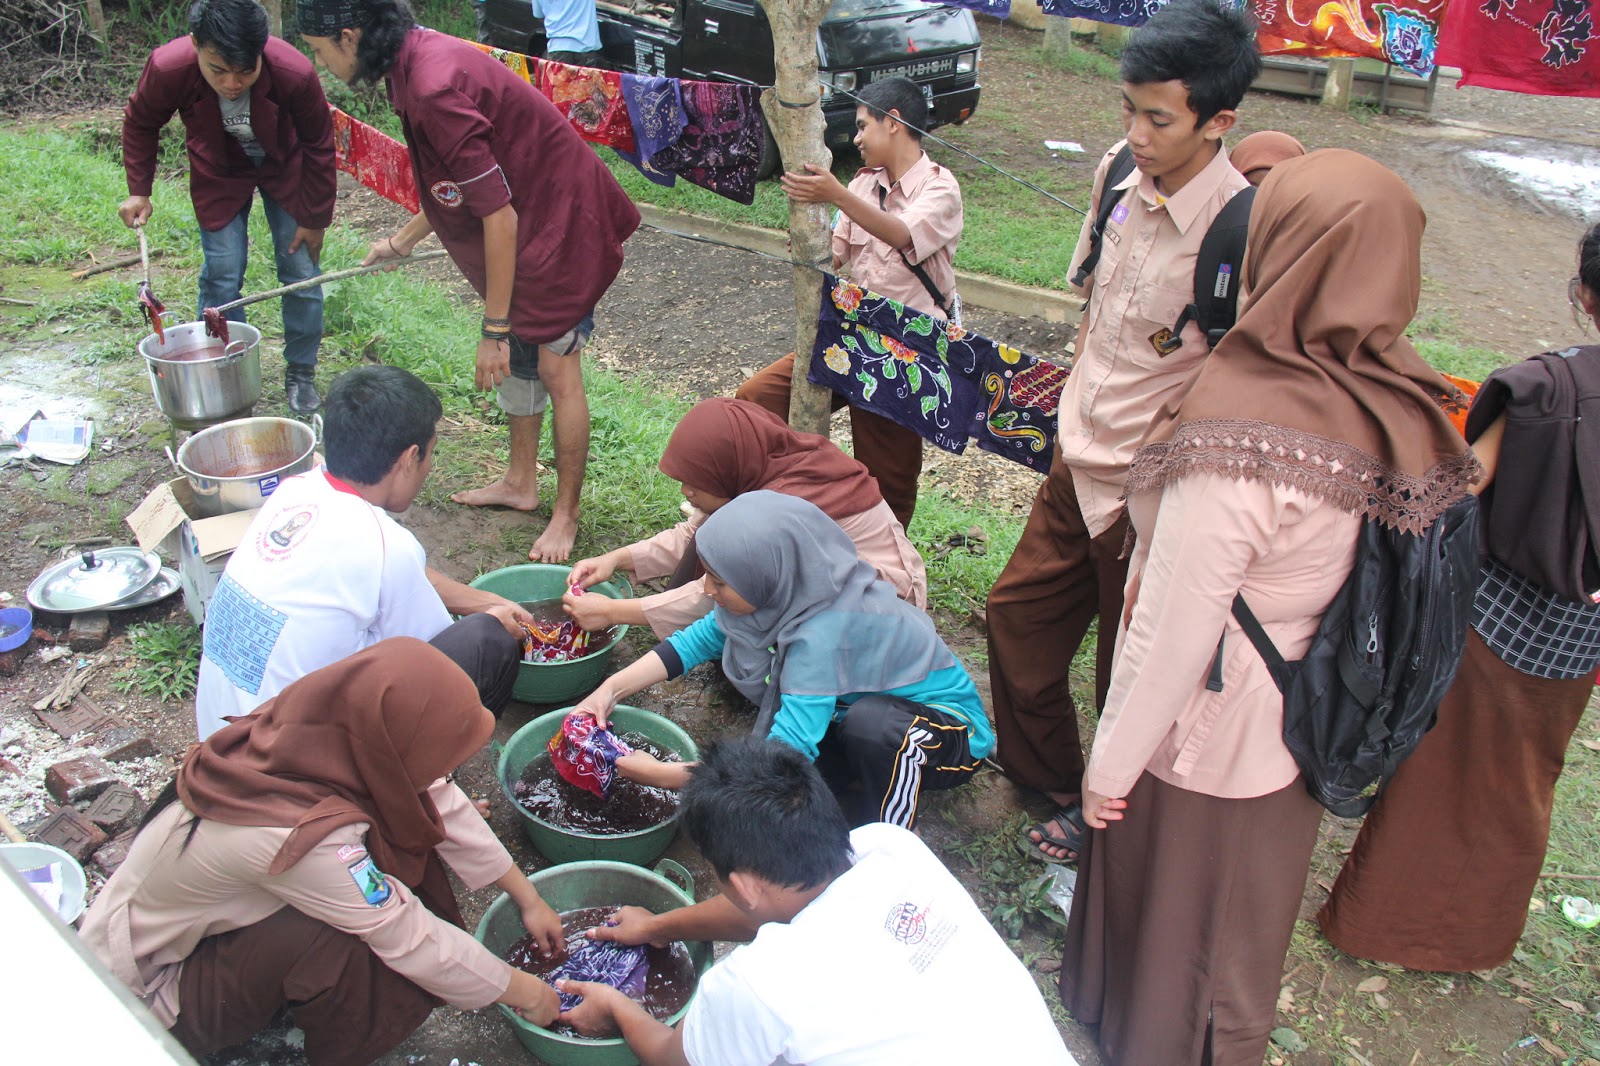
(591, 100)
(586, 755)
(1545, 47)
(375, 159)
(1403, 34)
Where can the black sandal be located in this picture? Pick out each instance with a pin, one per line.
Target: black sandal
(1070, 816)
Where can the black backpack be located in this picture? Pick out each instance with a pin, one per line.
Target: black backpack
(1383, 657)
(1216, 270)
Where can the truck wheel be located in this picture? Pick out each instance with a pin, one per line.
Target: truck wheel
(771, 158)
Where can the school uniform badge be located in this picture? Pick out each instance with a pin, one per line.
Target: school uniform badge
(370, 881)
(448, 193)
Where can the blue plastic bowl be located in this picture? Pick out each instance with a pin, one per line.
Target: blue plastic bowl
(22, 619)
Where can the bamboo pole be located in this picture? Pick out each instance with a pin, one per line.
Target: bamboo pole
(793, 108)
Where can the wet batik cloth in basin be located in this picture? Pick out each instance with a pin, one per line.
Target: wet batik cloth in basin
(608, 963)
(586, 756)
(939, 380)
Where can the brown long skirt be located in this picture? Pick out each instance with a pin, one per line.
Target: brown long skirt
(1181, 922)
(1441, 873)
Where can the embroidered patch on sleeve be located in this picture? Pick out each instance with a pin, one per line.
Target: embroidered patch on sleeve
(370, 880)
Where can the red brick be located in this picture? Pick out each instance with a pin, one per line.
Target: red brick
(119, 807)
(8, 768)
(74, 719)
(114, 852)
(117, 741)
(71, 832)
(76, 780)
(89, 631)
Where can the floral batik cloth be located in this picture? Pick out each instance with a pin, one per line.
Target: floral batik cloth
(604, 961)
(1545, 47)
(524, 67)
(655, 107)
(1405, 34)
(591, 100)
(1115, 12)
(375, 159)
(586, 755)
(939, 380)
(720, 146)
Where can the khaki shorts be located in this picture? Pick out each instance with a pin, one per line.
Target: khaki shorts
(523, 394)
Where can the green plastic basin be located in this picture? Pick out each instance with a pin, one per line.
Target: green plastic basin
(555, 682)
(558, 844)
(590, 884)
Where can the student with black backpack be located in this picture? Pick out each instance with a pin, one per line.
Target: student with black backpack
(1441, 873)
(1156, 198)
(1313, 417)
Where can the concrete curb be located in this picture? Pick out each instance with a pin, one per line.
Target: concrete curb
(978, 290)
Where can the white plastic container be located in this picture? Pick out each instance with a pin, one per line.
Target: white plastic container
(74, 886)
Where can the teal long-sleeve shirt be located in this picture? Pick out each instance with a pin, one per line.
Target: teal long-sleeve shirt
(801, 721)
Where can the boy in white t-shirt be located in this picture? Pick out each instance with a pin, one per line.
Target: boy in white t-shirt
(324, 572)
(863, 949)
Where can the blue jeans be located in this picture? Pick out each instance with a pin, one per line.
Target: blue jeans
(222, 278)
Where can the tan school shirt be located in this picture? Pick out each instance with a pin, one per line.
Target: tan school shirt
(165, 899)
(1201, 540)
(927, 198)
(879, 538)
(1144, 280)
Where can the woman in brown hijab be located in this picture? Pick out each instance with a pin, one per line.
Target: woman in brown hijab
(1257, 154)
(296, 862)
(1444, 866)
(1313, 413)
(724, 448)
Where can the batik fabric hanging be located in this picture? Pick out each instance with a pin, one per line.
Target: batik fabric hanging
(943, 382)
(591, 100)
(1545, 47)
(655, 107)
(998, 8)
(1114, 12)
(720, 146)
(375, 159)
(524, 67)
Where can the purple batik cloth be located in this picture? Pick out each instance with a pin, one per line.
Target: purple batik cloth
(605, 962)
(655, 107)
(939, 380)
(720, 145)
(1116, 12)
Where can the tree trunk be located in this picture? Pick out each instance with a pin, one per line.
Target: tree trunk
(1057, 35)
(274, 16)
(799, 133)
(97, 21)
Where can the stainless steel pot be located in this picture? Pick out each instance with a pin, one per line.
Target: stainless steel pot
(198, 381)
(237, 465)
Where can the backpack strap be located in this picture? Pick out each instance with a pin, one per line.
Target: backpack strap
(1121, 167)
(1217, 269)
(915, 268)
(1258, 636)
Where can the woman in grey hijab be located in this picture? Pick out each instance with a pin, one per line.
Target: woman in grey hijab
(836, 664)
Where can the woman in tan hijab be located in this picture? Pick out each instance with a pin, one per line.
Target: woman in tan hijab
(1257, 154)
(1313, 413)
(295, 862)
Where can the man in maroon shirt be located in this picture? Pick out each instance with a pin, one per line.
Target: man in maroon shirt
(525, 208)
(254, 117)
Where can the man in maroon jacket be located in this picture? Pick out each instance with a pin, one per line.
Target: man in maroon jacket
(254, 116)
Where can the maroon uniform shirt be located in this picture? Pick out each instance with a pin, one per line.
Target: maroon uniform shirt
(480, 138)
(288, 113)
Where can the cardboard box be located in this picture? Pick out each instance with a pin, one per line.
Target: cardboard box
(166, 522)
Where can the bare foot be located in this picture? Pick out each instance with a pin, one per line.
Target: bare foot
(502, 494)
(555, 543)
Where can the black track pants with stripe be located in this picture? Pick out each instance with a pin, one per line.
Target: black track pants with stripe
(886, 752)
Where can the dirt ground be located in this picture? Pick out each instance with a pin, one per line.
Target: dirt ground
(698, 319)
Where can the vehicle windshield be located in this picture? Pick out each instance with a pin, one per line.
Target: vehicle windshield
(854, 9)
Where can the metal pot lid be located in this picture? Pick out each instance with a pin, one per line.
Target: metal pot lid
(165, 584)
(93, 580)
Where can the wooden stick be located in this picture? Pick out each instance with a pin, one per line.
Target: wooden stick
(11, 832)
(337, 275)
(19, 303)
(1556, 875)
(144, 254)
(111, 264)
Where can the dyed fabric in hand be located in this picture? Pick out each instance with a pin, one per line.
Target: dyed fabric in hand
(524, 67)
(1547, 47)
(998, 8)
(591, 100)
(609, 963)
(720, 146)
(585, 755)
(942, 382)
(655, 107)
(375, 159)
(1405, 34)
